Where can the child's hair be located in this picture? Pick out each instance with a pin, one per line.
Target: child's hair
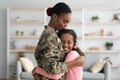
(70, 31)
(58, 9)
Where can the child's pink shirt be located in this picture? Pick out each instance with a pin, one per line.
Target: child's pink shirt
(74, 73)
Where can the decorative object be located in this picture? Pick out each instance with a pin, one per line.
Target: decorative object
(110, 33)
(18, 18)
(12, 45)
(91, 34)
(22, 33)
(102, 32)
(36, 32)
(94, 48)
(98, 66)
(108, 45)
(17, 33)
(116, 17)
(30, 47)
(95, 18)
(27, 64)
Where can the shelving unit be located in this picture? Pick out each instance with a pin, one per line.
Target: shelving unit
(21, 25)
(34, 18)
(105, 23)
(95, 39)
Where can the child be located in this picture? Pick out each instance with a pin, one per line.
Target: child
(68, 38)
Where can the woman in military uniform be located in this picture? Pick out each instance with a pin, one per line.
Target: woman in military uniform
(49, 53)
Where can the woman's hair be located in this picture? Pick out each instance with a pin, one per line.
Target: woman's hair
(70, 31)
(58, 9)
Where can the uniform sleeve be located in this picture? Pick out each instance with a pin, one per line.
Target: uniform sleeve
(51, 55)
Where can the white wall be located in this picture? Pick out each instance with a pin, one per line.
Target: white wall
(3, 31)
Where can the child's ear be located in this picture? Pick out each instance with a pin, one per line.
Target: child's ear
(74, 44)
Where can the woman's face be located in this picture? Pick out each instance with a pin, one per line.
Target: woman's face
(62, 21)
(67, 42)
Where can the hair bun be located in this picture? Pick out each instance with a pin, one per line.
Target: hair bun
(49, 11)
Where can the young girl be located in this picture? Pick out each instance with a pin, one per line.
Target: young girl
(68, 38)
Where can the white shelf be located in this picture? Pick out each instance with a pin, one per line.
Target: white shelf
(29, 18)
(24, 36)
(102, 37)
(26, 8)
(27, 22)
(12, 65)
(76, 23)
(102, 8)
(101, 51)
(76, 8)
(105, 23)
(22, 51)
(115, 66)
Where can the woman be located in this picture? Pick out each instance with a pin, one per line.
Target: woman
(69, 39)
(49, 53)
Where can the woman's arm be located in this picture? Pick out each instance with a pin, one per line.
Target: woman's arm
(71, 56)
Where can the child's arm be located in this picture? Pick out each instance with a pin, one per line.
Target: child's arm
(41, 71)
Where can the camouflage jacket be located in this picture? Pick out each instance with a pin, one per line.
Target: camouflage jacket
(49, 53)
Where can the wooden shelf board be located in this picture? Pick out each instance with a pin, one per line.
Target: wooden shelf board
(12, 65)
(77, 23)
(115, 66)
(97, 22)
(27, 22)
(26, 8)
(102, 37)
(101, 8)
(22, 51)
(101, 51)
(24, 36)
(76, 8)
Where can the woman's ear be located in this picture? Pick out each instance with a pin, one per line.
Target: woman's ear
(54, 16)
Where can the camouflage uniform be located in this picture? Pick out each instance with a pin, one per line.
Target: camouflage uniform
(49, 53)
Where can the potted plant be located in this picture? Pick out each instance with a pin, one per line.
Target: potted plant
(108, 45)
(95, 18)
(17, 33)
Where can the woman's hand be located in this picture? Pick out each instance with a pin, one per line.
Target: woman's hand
(35, 75)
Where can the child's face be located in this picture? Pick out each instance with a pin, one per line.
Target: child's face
(67, 42)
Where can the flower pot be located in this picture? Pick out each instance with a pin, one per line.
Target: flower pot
(109, 48)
